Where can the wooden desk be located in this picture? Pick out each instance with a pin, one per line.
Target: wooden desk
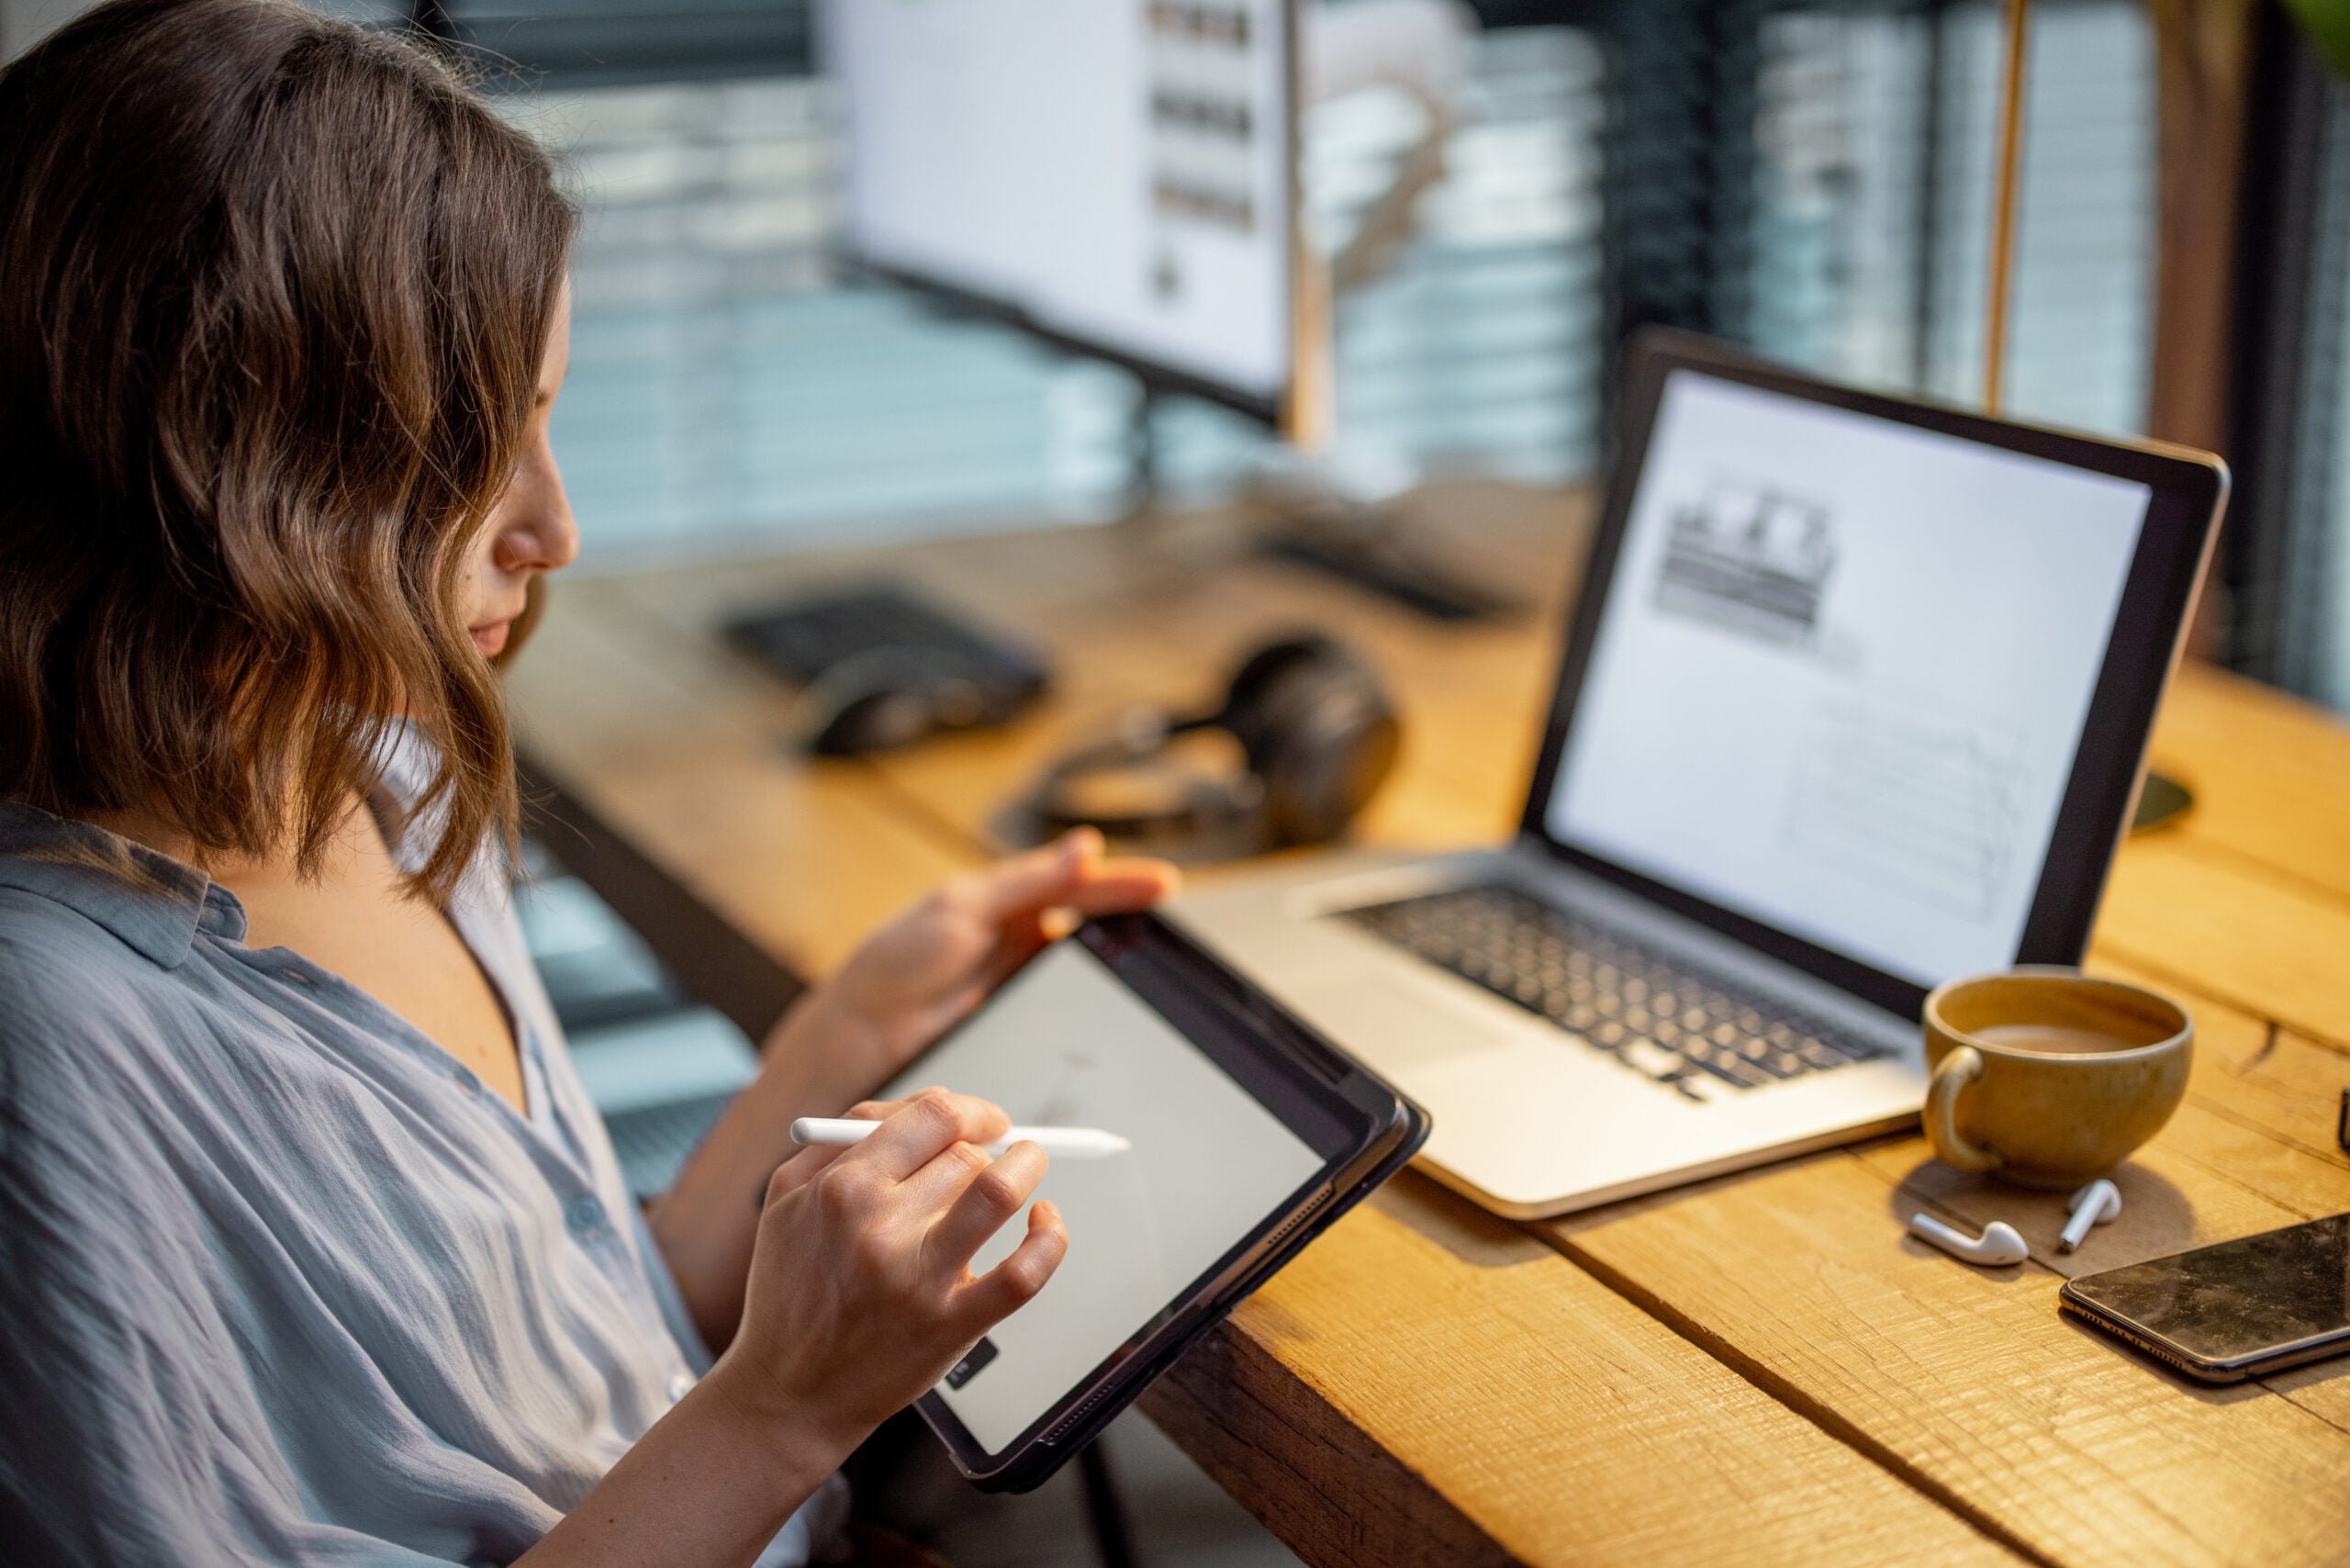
(1758, 1369)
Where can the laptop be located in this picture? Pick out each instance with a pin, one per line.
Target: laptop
(1854, 700)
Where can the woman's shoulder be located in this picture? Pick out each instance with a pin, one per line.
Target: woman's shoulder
(56, 957)
(81, 999)
(119, 1090)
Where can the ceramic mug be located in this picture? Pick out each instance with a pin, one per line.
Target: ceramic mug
(2046, 1077)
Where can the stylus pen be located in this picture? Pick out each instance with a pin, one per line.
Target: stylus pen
(1078, 1143)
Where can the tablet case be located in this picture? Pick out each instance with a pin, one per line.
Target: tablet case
(1028, 1465)
(1082, 1424)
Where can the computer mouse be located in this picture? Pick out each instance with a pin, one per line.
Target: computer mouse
(870, 719)
(887, 698)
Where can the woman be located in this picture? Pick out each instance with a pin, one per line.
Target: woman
(315, 1251)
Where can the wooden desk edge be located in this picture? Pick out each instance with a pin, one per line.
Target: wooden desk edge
(711, 961)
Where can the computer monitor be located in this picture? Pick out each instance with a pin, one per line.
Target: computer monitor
(1116, 176)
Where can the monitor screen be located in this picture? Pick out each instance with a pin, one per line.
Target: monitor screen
(1840, 677)
(1117, 172)
(1066, 1043)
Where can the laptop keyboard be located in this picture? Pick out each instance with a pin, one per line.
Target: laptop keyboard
(1678, 1023)
(654, 1141)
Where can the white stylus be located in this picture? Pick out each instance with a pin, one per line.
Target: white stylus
(1078, 1143)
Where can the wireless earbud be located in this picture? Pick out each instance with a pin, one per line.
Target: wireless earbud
(1999, 1246)
(2093, 1204)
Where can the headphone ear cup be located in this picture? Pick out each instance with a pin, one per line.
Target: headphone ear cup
(1314, 725)
(1253, 700)
(1321, 737)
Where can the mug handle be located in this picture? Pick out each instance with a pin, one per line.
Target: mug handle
(1962, 1067)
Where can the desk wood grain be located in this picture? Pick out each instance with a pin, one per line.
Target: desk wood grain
(1967, 1383)
(2270, 775)
(1755, 1369)
(1429, 1384)
(2238, 931)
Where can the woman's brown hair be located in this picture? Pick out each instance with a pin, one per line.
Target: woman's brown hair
(273, 294)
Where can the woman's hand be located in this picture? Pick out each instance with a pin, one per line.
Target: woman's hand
(861, 1294)
(918, 975)
(940, 960)
(861, 1297)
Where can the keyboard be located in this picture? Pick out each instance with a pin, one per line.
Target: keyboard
(1674, 1020)
(652, 1141)
(804, 638)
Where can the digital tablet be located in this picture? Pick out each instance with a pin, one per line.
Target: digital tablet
(1250, 1133)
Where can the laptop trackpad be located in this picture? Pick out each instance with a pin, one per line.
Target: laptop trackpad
(1396, 1021)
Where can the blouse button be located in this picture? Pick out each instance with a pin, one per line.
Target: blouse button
(585, 1215)
(469, 1084)
(679, 1387)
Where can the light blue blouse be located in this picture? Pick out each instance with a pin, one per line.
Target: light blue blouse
(280, 1281)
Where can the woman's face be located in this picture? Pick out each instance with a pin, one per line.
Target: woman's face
(530, 530)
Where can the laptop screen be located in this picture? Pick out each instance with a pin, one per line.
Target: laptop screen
(1840, 675)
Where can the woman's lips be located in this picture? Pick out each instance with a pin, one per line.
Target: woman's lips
(491, 639)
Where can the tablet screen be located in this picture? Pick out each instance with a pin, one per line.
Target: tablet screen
(1067, 1043)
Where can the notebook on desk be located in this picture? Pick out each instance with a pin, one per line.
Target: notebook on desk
(1853, 701)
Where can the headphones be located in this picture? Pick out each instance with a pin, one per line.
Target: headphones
(1314, 727)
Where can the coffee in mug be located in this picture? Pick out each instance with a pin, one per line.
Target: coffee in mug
(2048, 1077)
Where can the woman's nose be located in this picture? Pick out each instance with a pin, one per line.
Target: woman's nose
(540, 534)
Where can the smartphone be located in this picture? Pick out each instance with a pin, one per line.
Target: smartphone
(2233, 1310)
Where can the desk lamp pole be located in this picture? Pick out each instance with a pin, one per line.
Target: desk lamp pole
(2159, 798)
(2003, 206)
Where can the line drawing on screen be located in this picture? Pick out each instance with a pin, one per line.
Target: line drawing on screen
(1059, 1104)
(1748, 556)
(1120, 1182)
(1926, 803)
(1066, 1041)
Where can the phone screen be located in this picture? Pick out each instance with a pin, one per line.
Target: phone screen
(1067, 1043)
(2237, 1299)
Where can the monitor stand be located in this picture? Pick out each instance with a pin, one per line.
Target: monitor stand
(1365, 544)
